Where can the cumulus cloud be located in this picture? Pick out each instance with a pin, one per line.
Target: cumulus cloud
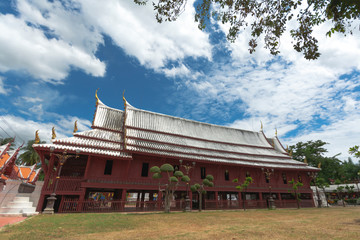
(307, 100)
(49, 38)
(24, 130)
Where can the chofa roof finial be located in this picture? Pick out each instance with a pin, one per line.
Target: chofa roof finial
(275, 132)
(96, 96)
(261, 129)
(53, 133)
(37, 138)
(75, 127)
(124, 99)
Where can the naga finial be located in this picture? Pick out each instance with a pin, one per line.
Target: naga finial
(261, 126)
(75, 127)
(37, 138)
(275, 132)
(319, 165)
(53, 133)
(305, 160)
(96, 96)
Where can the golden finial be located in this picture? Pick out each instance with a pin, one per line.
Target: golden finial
(319, 165)
(96, 96)
(305, 160)
(37, 139)
(53, 133)
(287, 148)
(275, 132)
(261, 125)
(75, 127)
(290, 153)
(124, 99)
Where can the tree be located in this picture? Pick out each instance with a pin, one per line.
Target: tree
(242, 187)
(295, 185)
(355, 150)
(312, 151)
(30, 156)
(200, 188)
(268, 19)
(339, 190)
(4, 141)
(172, 181)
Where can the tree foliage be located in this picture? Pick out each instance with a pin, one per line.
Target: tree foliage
(242, 187)
(355, 151)
(200, 188)
(4, 141)
(268, 19)
(172, 179)
(29, 157)
(295, 185)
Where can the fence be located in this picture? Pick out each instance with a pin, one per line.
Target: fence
(64, 184)
(72, 206)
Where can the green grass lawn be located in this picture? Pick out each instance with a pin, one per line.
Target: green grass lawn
(326, 223)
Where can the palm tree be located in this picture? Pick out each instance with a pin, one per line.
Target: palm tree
(30, 156)
(4, 141)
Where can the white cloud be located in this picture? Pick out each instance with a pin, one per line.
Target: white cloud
(24, 130)
(48, 39)
(309, 99)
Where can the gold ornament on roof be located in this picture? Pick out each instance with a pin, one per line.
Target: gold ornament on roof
(287, 148)
(53, 133)
(96, 96)
(37, 138)
(261, 125)
(319, 165)
(75, 127)
(275, 132)
(290, 153)
(124, 99)
(305, 160)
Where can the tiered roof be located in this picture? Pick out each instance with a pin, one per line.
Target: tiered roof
(9, 170)
(119, 134)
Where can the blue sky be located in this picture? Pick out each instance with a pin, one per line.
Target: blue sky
(54, 55)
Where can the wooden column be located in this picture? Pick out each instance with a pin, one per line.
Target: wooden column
(216, 199)
(88, 164)
(159, 200)
(123, 198)
(190, 197)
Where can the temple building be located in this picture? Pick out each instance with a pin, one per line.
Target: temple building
(10, 170)
(107, 168)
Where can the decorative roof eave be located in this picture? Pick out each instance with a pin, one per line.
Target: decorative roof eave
(86, 150)
(242, 163)
(4, 148)
(282, 147)
(11, 159)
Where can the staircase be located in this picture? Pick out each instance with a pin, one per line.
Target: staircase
(20, 206)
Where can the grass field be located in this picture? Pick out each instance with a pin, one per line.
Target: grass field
(326, 223)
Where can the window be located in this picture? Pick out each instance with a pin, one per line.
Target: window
(108, 167)
(145, 170)
(203, 172)
(284, 178)
(176, 168)
(226, 175)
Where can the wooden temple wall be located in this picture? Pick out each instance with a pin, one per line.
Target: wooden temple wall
(90, 184)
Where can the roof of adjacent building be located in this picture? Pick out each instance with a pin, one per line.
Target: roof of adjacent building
(119, 134)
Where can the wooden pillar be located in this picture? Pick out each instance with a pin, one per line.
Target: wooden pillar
(138, 199)
(142, 199)
(81, 200)
(43, 164)
(216, 199)
(260, 196)
(88, 163)
(123, 198)
(40, 203)
(190, 197)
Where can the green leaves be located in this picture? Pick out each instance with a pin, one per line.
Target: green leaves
(173, 179)
(166, 168)
(157, 176)
(185, 179)
(178, 174)
(155, 169)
